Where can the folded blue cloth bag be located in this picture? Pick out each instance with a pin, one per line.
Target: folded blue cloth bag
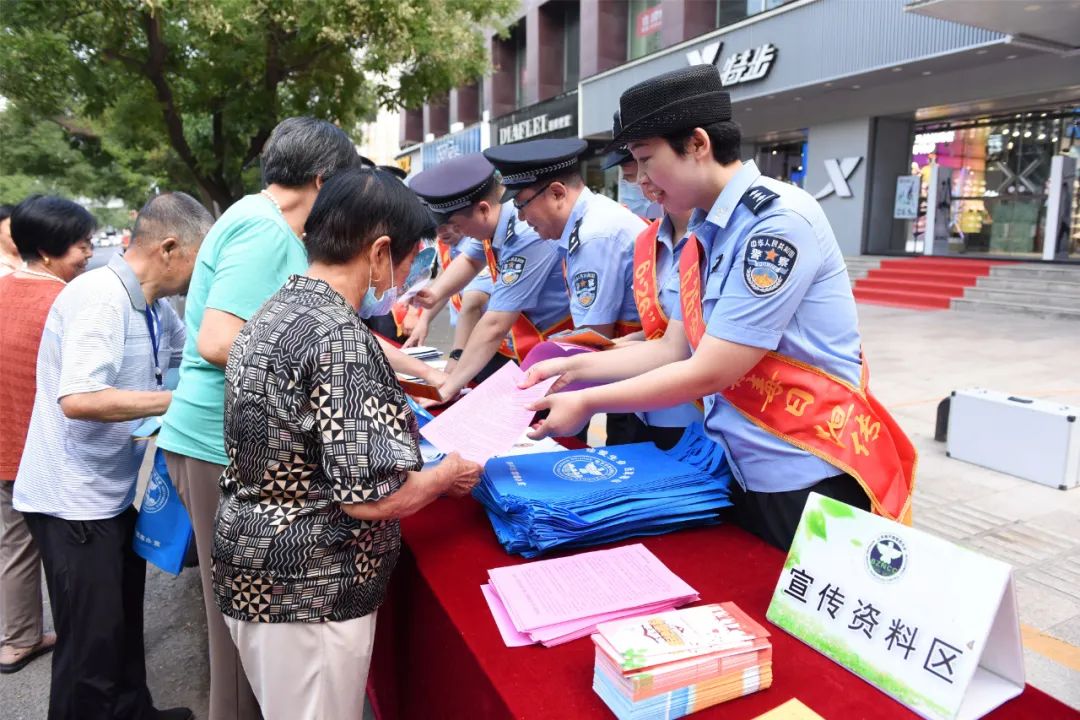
(163, 529)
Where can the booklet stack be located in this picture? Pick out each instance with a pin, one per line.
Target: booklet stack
(554, 601)
(670, 664)
(579, 498)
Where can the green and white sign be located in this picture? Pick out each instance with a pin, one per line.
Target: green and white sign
(932, 624)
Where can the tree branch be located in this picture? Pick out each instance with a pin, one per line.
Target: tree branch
(272, 77)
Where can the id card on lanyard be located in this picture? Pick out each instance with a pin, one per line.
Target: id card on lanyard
(153, 325)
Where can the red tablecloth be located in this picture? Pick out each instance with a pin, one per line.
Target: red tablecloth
(438, 653)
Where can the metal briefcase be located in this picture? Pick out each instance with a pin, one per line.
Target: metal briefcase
(1037, 440)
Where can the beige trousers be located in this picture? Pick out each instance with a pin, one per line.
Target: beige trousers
(307, 671)
(20, 576)
(196, 481)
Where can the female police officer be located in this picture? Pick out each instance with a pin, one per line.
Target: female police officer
(767, 332)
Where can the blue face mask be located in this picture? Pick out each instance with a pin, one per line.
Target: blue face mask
(372, 306)
(632, 196)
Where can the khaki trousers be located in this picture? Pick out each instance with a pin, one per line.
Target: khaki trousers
(20, 576)
(307, 671)
(196, 481)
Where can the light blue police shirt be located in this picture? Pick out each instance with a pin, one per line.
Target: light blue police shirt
(776, 280)
(530, 274)
(598, 244)
(481, 283)
(667, 280)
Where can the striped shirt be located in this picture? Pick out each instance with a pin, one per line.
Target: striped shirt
(96, 337)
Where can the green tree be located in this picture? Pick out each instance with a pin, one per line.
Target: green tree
(45, 156)
(192, 88)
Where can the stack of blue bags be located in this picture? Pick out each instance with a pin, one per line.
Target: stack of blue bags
(579, 498)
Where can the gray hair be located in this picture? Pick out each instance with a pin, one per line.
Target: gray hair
(301, 149)
(172, 214)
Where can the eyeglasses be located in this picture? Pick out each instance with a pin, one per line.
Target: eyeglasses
(521, 206)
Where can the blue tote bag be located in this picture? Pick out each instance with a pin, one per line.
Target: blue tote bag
(163, 530)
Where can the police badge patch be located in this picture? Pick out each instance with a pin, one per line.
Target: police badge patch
(585, 284)
(510, 270)
(768, 263)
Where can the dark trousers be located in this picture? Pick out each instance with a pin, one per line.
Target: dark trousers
(774, 517)
(96, 583)
(621, 429)
(493, 365)
(638, 431)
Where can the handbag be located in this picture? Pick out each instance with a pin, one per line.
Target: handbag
(163, 529)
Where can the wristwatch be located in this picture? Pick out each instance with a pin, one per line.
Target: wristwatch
(455, 354)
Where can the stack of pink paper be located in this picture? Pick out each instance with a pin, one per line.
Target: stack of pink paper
(555, 601)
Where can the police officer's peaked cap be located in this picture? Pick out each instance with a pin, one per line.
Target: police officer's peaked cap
(620, 154)
(454, 184)
(678, 100)
(526, 163)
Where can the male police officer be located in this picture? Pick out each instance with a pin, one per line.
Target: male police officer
(596, 234)
(767, 310)
(528, 302)
(466, 307)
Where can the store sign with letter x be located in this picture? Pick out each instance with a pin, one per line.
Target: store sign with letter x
(839, 171)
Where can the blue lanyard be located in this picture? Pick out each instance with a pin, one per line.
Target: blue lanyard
(151, 323)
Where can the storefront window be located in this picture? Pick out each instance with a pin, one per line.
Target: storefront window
(571, 45)
(1000, 178)
(785, 161)
(732, 11)
(646, 17)
(517, 41)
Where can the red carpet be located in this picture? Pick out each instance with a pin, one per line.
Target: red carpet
(920, 283)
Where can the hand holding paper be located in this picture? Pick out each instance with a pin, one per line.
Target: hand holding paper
(567, 415)
(488, 420)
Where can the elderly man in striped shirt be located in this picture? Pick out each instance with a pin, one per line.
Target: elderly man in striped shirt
(109, 338)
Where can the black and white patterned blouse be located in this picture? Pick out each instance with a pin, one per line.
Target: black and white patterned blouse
(314, 417)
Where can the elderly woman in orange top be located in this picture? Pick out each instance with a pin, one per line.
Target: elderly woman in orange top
(52, 236)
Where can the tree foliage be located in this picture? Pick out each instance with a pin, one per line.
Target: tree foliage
(189, 90)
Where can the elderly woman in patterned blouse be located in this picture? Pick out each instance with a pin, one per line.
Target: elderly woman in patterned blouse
(323, 458)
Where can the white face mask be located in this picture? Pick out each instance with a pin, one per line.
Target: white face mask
(372, 306)
(633, 197)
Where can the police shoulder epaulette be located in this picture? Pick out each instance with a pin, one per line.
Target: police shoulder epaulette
(575, 238)
(757, 198)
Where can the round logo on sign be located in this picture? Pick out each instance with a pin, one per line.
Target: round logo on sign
(157, 494)
(585, 468)
(886, 558)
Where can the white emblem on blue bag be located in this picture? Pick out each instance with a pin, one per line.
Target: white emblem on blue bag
(593, 466)
(157, 494)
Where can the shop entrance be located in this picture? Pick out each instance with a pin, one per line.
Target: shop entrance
(1001, 182)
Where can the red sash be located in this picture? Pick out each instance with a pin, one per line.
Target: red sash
(646, 291)
(444, 262)
(817, 412)
(524, 335)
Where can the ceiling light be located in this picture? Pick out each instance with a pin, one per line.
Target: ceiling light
(856, 87)
(926, 72)
(1042, 136)
(897, 69)
(1027, 133)
(1011, 57)
(1010, 145)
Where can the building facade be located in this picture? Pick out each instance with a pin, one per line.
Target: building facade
(865, 104)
